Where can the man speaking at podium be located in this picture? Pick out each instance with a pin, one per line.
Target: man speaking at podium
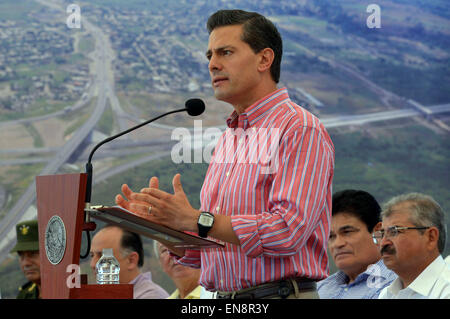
(275, 222)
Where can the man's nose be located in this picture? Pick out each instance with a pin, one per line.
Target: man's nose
(214, 64)
(338, 242)
(26, 260)
(384, 242)
(93, 263)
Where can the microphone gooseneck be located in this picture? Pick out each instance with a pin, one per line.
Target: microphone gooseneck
(193, 107)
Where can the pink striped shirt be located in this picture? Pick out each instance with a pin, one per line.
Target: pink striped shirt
(280, 211)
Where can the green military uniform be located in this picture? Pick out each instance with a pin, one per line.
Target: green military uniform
(27, 240)
(28, 291)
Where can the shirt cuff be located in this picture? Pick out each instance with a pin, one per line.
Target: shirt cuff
(246, 229)
(191, 258)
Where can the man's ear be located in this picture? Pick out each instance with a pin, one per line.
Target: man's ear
(377, 227)
(133, 259)
(432, 234)
(266, 59)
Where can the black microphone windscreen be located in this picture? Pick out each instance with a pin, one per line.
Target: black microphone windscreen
(195, 107)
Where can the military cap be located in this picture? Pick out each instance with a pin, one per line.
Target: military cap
(27, 236)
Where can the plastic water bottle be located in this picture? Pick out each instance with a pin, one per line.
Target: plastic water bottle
(108, 268)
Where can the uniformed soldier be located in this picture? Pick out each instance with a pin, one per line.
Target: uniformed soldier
(27, 248)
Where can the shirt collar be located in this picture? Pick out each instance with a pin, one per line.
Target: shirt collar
(427, 278)
(395, 287)
(424, 282)
(141, 276)
(379, 271)
(257, 110)
(194, 294)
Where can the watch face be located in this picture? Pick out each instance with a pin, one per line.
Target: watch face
(206, 220)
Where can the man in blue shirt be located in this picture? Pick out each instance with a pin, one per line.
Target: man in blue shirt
(362, 273)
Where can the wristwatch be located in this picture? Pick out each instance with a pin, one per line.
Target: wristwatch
(204, 223)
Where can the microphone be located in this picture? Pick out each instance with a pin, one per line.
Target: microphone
(193, 107)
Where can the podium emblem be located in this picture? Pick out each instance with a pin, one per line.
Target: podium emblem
(55, 240)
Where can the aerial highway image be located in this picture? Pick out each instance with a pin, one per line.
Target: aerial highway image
(72, 73)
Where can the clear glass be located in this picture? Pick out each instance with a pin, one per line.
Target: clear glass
(391, 232)
(108, 268)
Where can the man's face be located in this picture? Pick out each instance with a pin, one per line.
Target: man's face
(233, 66)
(170, 267)
(108, 238)
(407, 249)
(30, 265)
(351, 244)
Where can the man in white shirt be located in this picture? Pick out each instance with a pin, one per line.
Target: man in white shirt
(411, 241)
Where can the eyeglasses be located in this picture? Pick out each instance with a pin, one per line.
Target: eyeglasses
(391, 232)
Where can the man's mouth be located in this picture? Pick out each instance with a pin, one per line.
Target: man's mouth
(217, 81)
(30, 271)
(342, 253)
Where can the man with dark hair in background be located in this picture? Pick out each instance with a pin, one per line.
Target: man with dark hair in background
(362, 273)
(128, 250)
(272, 215)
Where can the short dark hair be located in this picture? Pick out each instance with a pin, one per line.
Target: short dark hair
(132, 241)
(359, 203)
(258, 32)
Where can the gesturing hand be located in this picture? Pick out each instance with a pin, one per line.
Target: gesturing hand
(171, 210)
(138, 207)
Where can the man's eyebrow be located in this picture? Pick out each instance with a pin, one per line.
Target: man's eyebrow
(222, 48)
(347, 227)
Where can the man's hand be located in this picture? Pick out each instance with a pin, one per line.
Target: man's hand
(137, 207)
(171, 210)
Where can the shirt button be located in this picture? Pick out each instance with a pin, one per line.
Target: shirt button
(346, 289)
(217, 208)
(228, 173)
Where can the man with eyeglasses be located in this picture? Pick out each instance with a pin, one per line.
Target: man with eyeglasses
(128, 250)
(361, 274)
(411, 241)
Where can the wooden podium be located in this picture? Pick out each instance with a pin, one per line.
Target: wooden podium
(61, 219)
